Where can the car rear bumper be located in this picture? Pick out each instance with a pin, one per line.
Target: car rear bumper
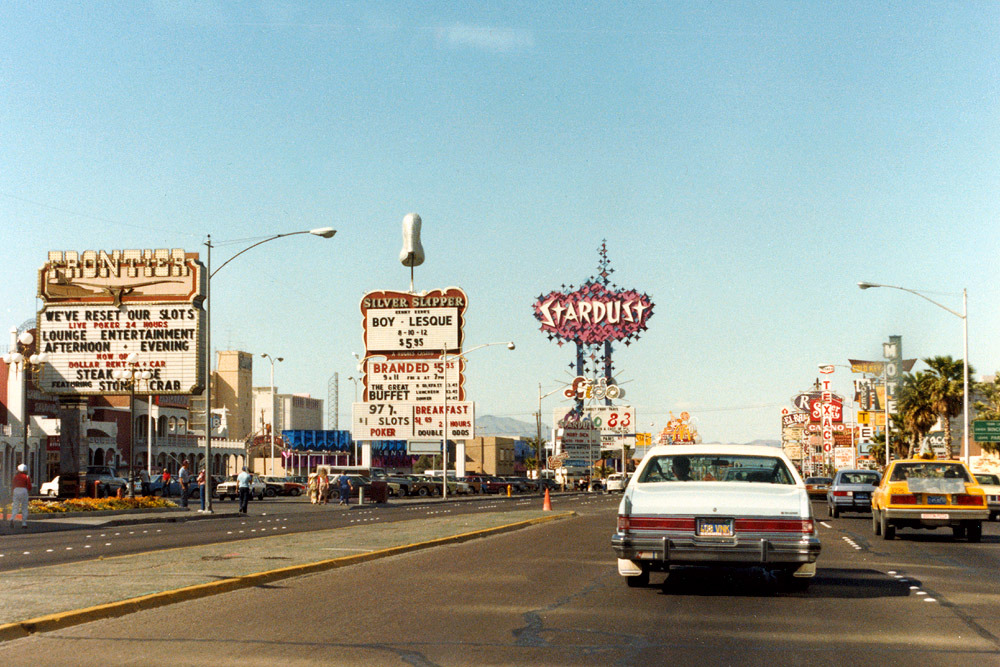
(937, 516)
(853, 504)
(741, 550)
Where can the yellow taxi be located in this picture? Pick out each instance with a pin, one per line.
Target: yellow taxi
(929, 493)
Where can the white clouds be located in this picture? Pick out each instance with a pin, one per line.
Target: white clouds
(486, 38)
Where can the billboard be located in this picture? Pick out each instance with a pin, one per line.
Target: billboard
(401, 324)
(101, 307)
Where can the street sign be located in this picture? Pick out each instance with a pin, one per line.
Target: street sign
(986, 430)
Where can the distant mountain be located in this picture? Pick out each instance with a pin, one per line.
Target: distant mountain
(488, 425)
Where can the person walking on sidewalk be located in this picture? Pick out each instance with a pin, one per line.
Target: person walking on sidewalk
(185, 478)
(323, 482)
(21, 485)
(201, 488)
(345, 488)
(165, 488)
(243, 486)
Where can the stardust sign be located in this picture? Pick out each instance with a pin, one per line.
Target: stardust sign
(593, 314)
(102, 307)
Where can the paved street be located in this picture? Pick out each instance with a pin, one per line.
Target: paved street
(549, 594)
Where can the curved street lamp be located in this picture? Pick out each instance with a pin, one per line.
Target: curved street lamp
(964, 316)
(444, 394)
(274, 412)
(322, 232)
(28, 362)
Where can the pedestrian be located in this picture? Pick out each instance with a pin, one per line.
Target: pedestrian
(314, 488)
(243, 486)
(21, 486)
(185, 478)
(165, 488)
(323, 484)
(344, 482)
(201, 488)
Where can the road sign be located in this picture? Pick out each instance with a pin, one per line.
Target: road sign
(412, 421)
(986, 430)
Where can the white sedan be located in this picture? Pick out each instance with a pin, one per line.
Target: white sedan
(724, 505)
(50, 489)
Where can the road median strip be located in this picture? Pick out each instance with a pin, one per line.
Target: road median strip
(56, 621)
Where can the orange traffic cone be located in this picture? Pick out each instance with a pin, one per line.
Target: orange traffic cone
(547, 505)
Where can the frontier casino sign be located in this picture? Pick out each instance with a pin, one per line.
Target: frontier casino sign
(101, 307)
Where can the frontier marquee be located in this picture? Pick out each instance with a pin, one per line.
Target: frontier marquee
(102, 307)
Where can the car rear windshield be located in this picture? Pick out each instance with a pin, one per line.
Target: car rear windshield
(904, 471)
(988, 479)
(716, 468)
(858, 478)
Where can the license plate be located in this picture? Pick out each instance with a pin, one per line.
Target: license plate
(933, 516)
(861, 496)
(715, 527)
(937, 500)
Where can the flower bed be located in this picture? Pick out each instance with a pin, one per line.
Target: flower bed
(96, 504)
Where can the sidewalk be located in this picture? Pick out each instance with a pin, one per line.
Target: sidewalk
(46, 598)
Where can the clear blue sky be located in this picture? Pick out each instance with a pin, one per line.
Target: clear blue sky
(747, 163)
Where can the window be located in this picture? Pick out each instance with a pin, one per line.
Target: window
(718, 468)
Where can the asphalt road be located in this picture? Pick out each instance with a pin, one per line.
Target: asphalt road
(265, 517)
(550, 595)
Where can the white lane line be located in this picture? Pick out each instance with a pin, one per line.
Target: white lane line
(825, 524)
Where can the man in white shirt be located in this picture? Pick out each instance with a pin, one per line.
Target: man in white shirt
(185, 478)
(243, 486)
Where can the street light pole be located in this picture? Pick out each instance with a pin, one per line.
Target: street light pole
(964, 316)
(29, 363)
(274, 416)
(444, 394)
(538, 424)
(323, 232)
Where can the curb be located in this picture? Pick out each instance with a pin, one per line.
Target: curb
(26, 628)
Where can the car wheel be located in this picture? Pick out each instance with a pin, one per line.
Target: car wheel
(436, 491)
(294, 492)
(888, 530)
(876, 524)
(974, 531)
(639, 580)
(270, 493)
(422, 492)
(832, 511)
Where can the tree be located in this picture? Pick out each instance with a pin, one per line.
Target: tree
(916, 410)
(945, 391)
(988, 408)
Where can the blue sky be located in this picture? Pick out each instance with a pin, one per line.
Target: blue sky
(747, 164)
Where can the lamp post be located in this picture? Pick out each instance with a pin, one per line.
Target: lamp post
(444, 395)
(355, 381)
(29, 362)
(323, 232)
(131, 375)
(274, 415)
(964, 316)
(538, 424)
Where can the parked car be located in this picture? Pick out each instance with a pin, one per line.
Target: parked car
(522, 484)
(817, 487)
(617, 481)
(676, 511)
(282, 486)
(851, 491)
(156, 488)
(108, 479)
(991, 487)
(50, 489)
(399, 485)
(228, 488)
(423, 486)
(928, 493)
(487, 483)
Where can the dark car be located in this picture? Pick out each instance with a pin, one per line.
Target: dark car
(851, 491)
(107, 480)
(423, 486)
(398, 484)
(487, 483)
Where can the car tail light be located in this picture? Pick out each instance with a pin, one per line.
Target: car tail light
(840, 493)
(903, 499)
(622, 523)
(967, 499)
(775, 525)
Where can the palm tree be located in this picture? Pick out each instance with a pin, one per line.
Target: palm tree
(916, 411)
(945, 391)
